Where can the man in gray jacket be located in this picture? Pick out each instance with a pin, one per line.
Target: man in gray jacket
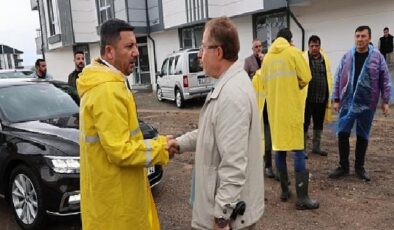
(227, 144)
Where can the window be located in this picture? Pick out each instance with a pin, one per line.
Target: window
(191, 37)
(104, 10)
(53, 17)
(164, 68)
(178, 64)
(266, 26)
(171, 65)
(194, 63)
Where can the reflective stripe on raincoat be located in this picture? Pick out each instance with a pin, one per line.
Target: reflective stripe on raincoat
(328, 114)
(359, 102)
(283, 75)
(115, 191)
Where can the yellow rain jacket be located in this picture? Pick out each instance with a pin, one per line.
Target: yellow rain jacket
(283, 75)
(115, 191)
(328, 114)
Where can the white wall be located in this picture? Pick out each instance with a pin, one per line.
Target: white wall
(120, 9)
(166, 43)
(217, 8)
(94, 49)
(174, 13)
(335, 21)
(245, 32)
(84, 16)
(60, 63)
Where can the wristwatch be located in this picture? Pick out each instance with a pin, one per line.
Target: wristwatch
(221, 222)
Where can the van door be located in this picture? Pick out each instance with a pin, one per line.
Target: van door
(162, 80)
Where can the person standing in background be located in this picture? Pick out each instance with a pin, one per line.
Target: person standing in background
(79, 61)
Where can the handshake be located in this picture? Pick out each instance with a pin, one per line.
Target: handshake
(172, 146)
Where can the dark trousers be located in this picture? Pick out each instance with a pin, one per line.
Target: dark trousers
(316, 111)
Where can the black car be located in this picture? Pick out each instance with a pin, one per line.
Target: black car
(39, 150)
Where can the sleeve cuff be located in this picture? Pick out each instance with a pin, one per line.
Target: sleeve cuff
(224, 212)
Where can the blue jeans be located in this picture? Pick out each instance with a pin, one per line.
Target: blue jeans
(299, 160)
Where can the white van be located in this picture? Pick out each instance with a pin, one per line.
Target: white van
(181, 78)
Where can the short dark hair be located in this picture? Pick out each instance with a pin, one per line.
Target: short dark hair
(361, 28)
(314, 38)
(385, 28)
(38, 62)
(110, 30)
(78, 52)
(224, 33)
(285, 33)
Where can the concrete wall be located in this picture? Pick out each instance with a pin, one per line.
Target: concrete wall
(60, 63)
(217, 8)
(335, 22)
(84, 16)
(174, 13)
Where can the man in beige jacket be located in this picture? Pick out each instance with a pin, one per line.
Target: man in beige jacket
(227, 144)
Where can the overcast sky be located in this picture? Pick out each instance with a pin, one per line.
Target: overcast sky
(18, 24)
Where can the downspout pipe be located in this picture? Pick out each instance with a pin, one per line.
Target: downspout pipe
(42, 38)
(291, 14)
(148, 35)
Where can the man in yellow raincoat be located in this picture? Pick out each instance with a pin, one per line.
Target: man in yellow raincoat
(115, 192)
(281, 79)
(318, 105)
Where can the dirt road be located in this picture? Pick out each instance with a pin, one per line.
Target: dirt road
(344, 204)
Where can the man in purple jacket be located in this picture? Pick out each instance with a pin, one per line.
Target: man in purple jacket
(361, 76)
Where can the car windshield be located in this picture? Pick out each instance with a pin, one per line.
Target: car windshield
(29, 102)
(194, 63)
(15, 74)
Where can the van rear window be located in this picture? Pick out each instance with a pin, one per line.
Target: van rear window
(194, 63)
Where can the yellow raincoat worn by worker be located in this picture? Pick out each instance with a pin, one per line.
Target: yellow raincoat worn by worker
(283, 75)
(115, 192)
(328, 113)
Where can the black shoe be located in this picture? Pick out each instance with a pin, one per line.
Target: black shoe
(320, 152)
(269, 173)
(362, 174)
(339, 173)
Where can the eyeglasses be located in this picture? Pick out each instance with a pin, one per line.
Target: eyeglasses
(203, 47)
(258, 46)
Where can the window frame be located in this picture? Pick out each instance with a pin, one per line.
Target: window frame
(107, 7)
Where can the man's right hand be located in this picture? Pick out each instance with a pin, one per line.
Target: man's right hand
(172, 146)
(335, 106)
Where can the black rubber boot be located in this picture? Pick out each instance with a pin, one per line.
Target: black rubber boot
(268, 164)
(303, 200)
(316, 143)
(284, 184)
(361, 150)
(344, 148)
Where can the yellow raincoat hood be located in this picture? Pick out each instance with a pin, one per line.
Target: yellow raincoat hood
(115, 193)
(96, 74)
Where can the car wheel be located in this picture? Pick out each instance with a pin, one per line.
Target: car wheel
(179, 99)
(159, 94)
(26, 198)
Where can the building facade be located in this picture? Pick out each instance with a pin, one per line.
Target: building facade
(10, 58)
(164, 26)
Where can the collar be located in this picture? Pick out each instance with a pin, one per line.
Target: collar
(227, 75)
(110, 66)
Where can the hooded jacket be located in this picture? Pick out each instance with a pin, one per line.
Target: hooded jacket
(280, 81)
(115, 192)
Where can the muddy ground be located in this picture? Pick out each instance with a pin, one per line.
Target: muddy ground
(348, 203)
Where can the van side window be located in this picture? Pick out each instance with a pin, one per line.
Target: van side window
(164, 68)
(194, 63)
(178, 65)
(171, 65)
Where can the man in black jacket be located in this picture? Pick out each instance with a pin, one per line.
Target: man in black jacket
(79, 60)
(386, 45)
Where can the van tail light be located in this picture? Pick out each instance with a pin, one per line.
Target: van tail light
(185, 81)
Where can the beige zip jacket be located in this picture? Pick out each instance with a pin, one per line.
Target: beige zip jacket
(228, 153)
